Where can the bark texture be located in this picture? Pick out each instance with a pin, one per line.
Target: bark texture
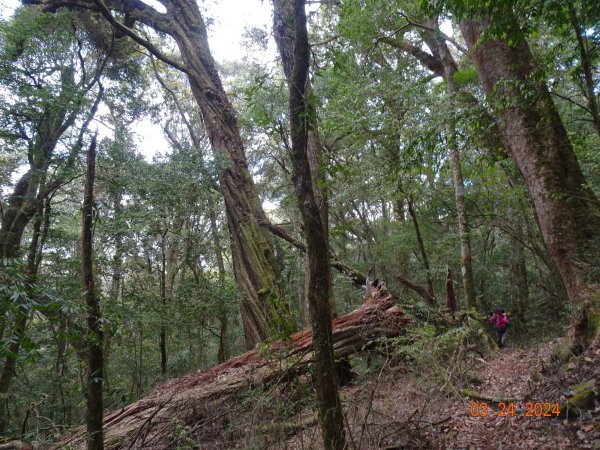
(95, 404)
(537, 141)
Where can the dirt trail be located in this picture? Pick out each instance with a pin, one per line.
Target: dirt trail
(522, 374)
(512, 373)
(393, 411)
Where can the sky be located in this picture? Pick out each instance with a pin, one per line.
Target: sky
(229, 19)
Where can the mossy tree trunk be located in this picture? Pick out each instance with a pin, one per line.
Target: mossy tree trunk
(283, 31)
(254, 263)
(318, 273)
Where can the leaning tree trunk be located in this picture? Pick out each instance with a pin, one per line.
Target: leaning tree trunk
(318, 274)
(95, 406)
(532, 131)
(207, 402)
(253, 253)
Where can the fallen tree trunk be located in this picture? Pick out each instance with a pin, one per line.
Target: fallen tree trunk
(200, 400)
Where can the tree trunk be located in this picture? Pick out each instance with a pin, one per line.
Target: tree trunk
(450, 296)
(283, 31)
(463, 224)
(162, 341)
(95, 440)
(318, 274)
(206, 401)
(438, 47)
(533, 132)
(223, 352)
(253, 255)
(252, 249)
(430, 297)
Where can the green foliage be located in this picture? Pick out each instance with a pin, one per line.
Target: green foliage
(182, 436)
(466, 76)
(443, 353)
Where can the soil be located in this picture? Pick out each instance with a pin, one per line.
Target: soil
(392, 409)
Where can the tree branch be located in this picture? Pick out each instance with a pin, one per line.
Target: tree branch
(421, 290)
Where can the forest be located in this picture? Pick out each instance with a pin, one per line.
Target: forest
(331, 242)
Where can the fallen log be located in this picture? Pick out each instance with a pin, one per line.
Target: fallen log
(199, 400)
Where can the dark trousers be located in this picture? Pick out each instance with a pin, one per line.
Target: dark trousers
(501, 336)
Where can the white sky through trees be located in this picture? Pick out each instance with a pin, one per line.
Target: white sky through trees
(227, 20)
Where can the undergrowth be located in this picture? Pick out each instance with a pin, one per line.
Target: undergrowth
(441, 351)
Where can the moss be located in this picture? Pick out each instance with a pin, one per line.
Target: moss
(563, 353)
(583, 399)
(466, 76)
(585, 386)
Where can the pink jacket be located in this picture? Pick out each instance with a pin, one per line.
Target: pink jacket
(499, 320)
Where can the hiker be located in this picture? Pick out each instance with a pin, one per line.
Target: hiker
(500, 321)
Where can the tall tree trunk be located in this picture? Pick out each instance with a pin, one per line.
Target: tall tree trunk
(430, 297)
(532, 131)
(253, 254)
(95, 440)
(283, 31)
(466, 265)
(252, 249)
(223, 352)
(318, 272)
(163, 310)
(439, 48)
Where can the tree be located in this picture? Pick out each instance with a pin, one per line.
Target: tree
(35, 121)
(254, 261)
(284, 37)
(95, 408)
(318, 274)
(536, 138)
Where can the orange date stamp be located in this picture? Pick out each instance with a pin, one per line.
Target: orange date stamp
(509, 409)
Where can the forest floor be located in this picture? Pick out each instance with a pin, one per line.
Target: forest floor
(393, 409)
